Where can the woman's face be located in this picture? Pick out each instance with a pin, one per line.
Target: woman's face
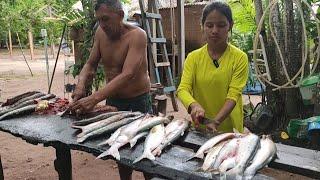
(216, 27)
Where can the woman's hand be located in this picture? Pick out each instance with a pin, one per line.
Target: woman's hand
(213, 126)
(197, 113)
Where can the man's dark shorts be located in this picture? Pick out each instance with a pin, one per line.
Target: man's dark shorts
(140, 103)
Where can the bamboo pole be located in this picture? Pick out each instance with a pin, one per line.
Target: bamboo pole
(30, 36)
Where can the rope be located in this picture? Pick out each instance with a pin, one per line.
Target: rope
(290, 81)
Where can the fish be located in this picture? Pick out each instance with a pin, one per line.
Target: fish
(23, 110)
(212, 155)
(96, 125)
(15, 99)
(112, 138)
(28, 102)
(212, 142)
(84, 122)
(264, 155)
(134, 140)
(173, 131)
(151, 122)
(130, 131)
(108, 128)
(153, 140)
(35, 96)
(248, 146)
(229, 150)
(126, 133)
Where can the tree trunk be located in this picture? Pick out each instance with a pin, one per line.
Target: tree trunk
(276, 98)
(10, 42)
(30, 36)
(292, 60)
(259, 13)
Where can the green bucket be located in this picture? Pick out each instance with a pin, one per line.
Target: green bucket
(308, 87)
(298, 128)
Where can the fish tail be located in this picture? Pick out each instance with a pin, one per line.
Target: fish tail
(103, 143)
(112, 152)
(147, 155)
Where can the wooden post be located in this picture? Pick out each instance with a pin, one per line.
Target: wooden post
(181, 36)
(10, 43)
(154, 46)
(1, 170)
(30, 36)
(53, 48)
(73, 48)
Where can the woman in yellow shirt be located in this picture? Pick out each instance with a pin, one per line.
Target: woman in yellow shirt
(214, 75)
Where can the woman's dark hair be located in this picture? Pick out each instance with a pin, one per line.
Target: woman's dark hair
(222, 7)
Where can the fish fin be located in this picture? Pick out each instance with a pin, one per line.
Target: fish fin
(103, 143)
(195, 156)
(139, 159)
(235, 131)
(77, 127)
(246, 130)
(156, 152)
(132, 143)
(81, 139)
(112, 152)
(81, 135)
(213, 171)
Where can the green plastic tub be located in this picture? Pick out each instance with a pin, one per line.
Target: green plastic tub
(308, 89)
(298, 128)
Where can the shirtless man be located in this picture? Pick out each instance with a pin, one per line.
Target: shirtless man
(122, 49)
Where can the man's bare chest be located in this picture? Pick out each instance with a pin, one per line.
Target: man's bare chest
(113, 54)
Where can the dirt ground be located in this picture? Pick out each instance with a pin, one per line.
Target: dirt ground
(23, 161)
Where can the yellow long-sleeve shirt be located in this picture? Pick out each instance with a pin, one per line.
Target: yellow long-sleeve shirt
(202, 82)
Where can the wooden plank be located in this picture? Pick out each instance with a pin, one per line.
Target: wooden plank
(54, 130)
(292, 159)
(1, 170)
(162, 64)
(158, 40)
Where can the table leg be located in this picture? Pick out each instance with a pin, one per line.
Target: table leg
(1, 170)
(62, 163)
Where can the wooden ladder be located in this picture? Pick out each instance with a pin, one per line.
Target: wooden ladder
(262, 62)
(153, 42)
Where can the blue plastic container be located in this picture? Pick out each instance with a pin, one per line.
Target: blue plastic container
(314, 132)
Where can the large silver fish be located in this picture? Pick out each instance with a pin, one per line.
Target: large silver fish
(153, 140)
(129, 132)
(173, 131)
(108, 128)
(212, 155)
(212, 142)
(264, 155)
(248, 146)
(97, 125)
(229, 150)
(99, 117)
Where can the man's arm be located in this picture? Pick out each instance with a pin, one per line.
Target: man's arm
(88, 71)
(134, 59)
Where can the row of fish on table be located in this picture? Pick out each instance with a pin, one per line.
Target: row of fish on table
(235, 154)
(238, 155)
(26, 103)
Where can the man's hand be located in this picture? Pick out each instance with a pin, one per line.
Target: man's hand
(78, 93)
(83, 105)
(197, 113)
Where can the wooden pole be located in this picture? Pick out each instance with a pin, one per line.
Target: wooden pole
(181, 36)
(30, 36)
(10, 43)
(73, 48)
